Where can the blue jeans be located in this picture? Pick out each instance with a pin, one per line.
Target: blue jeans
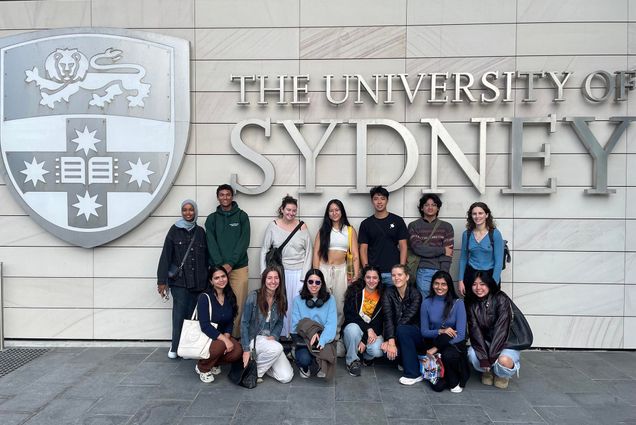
(183, 304)
(303, 357)
(353, 337)
(409, 341)
(386, 279)
(497, 368)
(423, 279)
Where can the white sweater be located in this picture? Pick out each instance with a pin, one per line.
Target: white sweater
(297, 254)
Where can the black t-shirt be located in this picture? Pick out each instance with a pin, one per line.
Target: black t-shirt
(382, 236)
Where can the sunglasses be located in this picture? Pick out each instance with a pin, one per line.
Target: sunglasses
(314, 282)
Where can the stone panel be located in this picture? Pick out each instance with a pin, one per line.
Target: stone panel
(570, 299)
(246, 13)
(571, 38)
(62, 323)
(460, 12)
(244, 43)
(566, 267)
(43, 292)
(461, 40)
(143, 14)
(577, 332)
(127, 324)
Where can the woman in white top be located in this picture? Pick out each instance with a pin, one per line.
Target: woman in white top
(296, 254)
(334, 239)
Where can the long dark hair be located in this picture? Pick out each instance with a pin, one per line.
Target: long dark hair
(485, 277)
(325, 227)
(227, 291)
(359, 284)
(470, 223)
(279, 295)
(451, 295)
(323, 293)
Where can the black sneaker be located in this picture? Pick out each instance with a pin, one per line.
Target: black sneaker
(367, 362)
(354, 368)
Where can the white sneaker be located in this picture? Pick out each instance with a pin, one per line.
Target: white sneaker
(411, 381)
(321, 374)
(304, 374)
(216, 370)
(340, 349)
(456, 389)
(205, 377)
(172, 354)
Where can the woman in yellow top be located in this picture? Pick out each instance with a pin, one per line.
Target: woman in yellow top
(334, 240)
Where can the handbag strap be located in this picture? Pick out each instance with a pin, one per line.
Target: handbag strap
(188, 249)
(291, 235)
(195, 314)
(350, 237)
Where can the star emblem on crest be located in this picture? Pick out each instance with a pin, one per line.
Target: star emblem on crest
(86, 140)
(87, 205)
(34, 172)
(139, 172)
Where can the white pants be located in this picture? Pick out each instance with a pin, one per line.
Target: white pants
(293, 285)
(336, 277)
(271, 359)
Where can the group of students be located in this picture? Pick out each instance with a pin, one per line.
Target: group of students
(345, 294)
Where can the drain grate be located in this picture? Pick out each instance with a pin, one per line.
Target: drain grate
(13, 358)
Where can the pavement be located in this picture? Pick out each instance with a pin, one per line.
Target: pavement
(140, 385)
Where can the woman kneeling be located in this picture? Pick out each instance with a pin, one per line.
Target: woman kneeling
(362, 328)
(489, 321)
(314, 320)
(443, 325)
(224, 349)
(261, 325)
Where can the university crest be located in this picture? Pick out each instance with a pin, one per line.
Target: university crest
(94, 126)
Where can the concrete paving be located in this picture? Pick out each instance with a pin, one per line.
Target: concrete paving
(140, 385)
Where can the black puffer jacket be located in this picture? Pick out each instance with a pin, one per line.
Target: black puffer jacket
(398, 311)
(489, 324)
(195, 268)
(352, 305)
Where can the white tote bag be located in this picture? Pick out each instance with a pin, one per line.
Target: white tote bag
(194, 344)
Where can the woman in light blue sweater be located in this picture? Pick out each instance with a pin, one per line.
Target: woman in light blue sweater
(482, 249)
(315, 303)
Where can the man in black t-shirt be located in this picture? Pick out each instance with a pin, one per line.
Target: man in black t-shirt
(383, 236)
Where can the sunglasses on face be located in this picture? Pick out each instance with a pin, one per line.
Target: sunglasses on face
(313, 282)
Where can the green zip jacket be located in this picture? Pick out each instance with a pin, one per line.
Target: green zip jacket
(228, 234)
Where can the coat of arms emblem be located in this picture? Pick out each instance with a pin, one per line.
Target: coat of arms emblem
(94, 125)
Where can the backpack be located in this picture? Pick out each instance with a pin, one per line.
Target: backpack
(506, 250)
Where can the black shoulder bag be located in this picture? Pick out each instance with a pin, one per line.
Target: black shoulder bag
(274, 257)
(175, 272)
(520, 334)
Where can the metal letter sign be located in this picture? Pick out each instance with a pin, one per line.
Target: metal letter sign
(94, 126)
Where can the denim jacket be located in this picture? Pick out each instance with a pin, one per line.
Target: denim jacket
(253, 322)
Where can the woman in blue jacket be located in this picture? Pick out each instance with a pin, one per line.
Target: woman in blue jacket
(224, 349)
(261, 325)
(443, 327)
(482, 248)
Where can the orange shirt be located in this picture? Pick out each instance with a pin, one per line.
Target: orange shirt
(369, 301)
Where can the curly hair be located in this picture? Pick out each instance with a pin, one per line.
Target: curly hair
(470, 223)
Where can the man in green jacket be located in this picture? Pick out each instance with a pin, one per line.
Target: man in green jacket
(228, 234)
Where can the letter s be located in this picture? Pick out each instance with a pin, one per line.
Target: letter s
(263, 163)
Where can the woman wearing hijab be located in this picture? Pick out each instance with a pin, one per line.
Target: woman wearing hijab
(183, 268)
